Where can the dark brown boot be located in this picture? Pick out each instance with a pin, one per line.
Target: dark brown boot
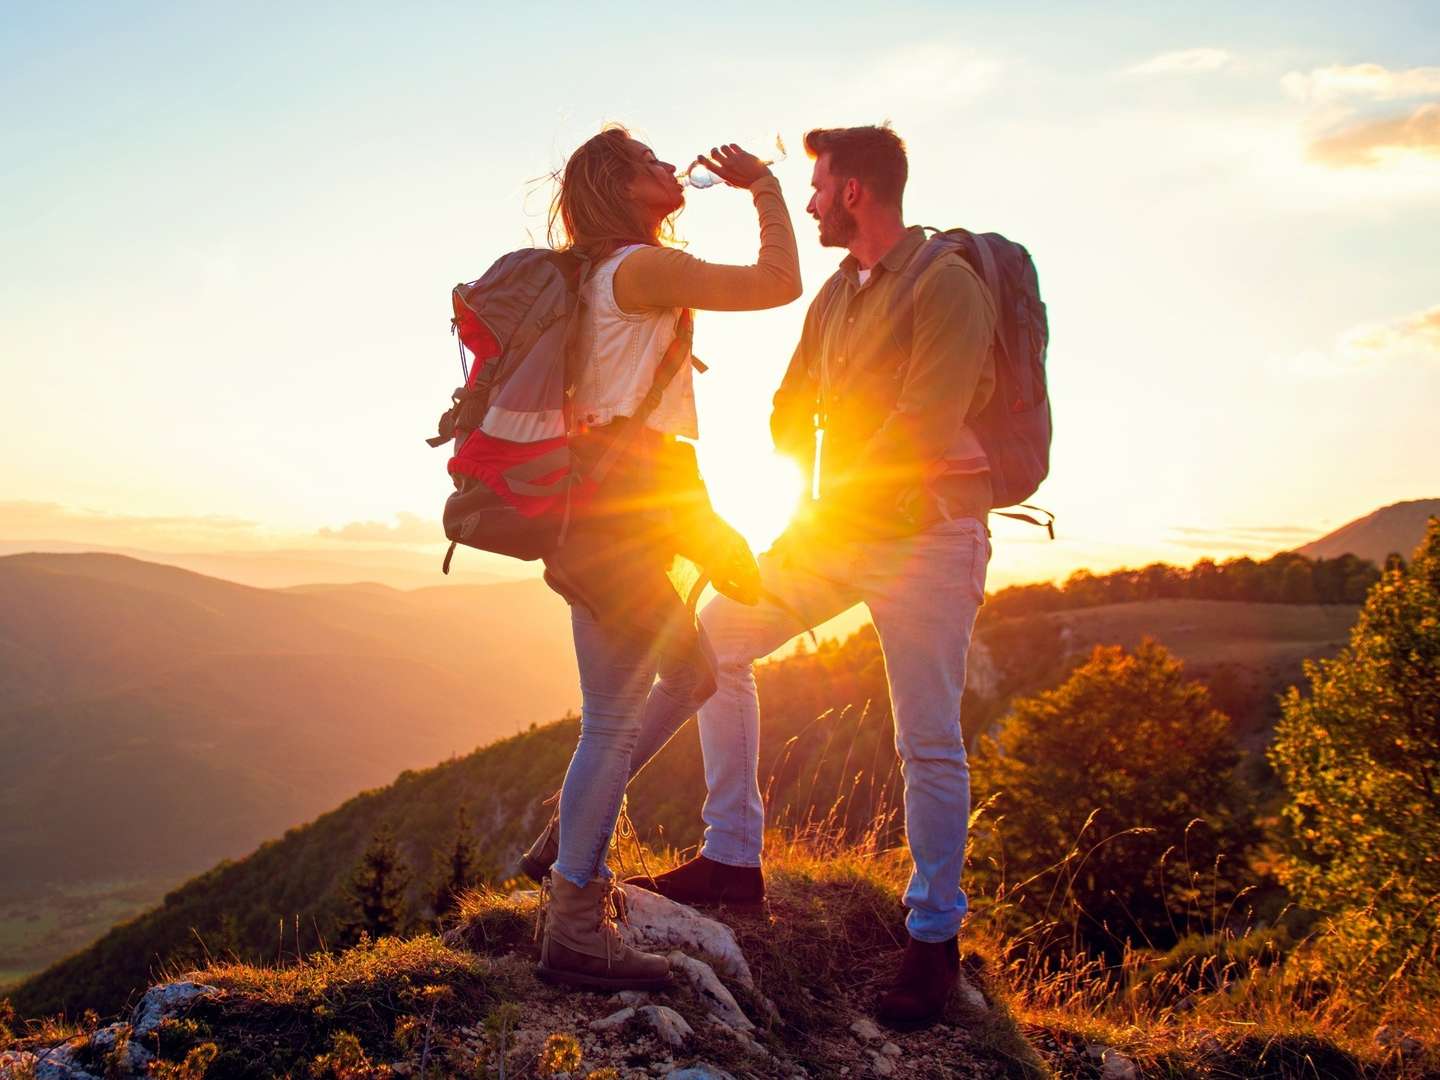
(928, 973)
(541, 855)
(582, 945)
(704, 881)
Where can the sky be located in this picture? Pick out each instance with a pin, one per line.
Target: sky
(228, 235)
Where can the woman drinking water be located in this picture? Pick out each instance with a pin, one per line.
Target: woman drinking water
(615, 206)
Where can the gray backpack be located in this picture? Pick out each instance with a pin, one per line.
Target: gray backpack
(1014, 428)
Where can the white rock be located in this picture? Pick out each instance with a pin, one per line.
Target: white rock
(614, 1020)
(707, 984)
(168, 1000)
(658, 924)
(631, 997)
(867, 1029)
(137, 1057)
(672, 1028)
(742, 1038)
(891, 1050)
(700, 1071)
(881, 1065)
(1116, 1066)
(57, 1063)
(971, 996)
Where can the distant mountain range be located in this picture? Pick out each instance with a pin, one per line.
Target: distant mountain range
(398, 568)
(154, 720)
(1398, 528)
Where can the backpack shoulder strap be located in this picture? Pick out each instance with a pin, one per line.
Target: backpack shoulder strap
(677, 355)
(902, 313)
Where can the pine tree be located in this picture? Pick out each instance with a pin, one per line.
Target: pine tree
(457, 871)
(1360, 759)
(377, 890)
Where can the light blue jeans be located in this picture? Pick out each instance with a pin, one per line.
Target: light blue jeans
(626, 716)
(923, 592)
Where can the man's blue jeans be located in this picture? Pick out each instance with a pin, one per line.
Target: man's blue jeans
(923, 592)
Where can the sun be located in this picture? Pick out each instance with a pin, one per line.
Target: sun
(756, 492)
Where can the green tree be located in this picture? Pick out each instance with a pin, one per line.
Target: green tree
(1360, 759)
(457, 870)
(1115, 796)
(377, 890)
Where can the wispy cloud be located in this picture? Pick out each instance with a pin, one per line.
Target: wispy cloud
(1349, 126)
(1375, 345)
(53, 521)
(1369, 81)
(1183, 62)
(928, 73)
(1370, 142)
(406, 529)
(1255, 539)
(1414, 336)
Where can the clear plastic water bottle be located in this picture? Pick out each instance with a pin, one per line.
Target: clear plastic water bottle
(697, 177)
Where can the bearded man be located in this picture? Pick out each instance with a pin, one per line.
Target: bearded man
(894, 357)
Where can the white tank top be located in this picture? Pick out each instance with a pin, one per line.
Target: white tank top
(620, 352)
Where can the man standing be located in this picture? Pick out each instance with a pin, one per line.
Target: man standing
(894, 357)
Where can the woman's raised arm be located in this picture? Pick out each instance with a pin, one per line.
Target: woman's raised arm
(666, 277)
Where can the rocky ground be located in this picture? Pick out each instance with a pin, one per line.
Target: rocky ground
(783, 995)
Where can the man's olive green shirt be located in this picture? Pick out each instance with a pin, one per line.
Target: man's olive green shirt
(896, 451)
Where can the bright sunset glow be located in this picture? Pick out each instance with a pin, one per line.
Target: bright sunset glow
(1234, 234)
(756, 493)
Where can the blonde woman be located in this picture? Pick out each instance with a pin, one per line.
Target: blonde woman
(615, 205)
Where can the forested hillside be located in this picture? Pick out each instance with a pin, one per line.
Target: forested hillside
(826, 753)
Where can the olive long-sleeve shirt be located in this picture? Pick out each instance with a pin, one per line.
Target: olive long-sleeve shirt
(893, 418)
(669, 278)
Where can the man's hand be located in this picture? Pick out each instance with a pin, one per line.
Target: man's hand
(738, 168)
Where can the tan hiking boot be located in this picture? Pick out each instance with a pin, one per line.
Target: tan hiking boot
(582, 945)
(541, 855)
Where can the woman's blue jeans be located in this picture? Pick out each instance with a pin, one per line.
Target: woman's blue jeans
(626, 716)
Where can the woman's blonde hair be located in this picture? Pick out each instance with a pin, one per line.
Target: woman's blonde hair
(591, 212)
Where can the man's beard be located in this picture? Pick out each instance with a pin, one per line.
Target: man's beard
(837, 226)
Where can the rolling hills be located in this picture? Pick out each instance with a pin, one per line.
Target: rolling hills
(826, 743)
(1397, 528)
(155, 720)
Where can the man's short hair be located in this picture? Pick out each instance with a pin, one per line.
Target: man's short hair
(873, 155)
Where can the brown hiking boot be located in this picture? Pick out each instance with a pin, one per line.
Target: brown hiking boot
(704, 881)
(541, 855)
(928, 973)
(582, 946)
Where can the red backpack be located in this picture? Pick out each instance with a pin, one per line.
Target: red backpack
(516, 480)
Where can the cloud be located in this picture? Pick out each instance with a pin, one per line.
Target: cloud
(1408, 339)
(1252, 538)
(407, 529)
(1370, 81)
(1370, 142)
(926, 74)
(1183, 62)
(1413, 336)
(22, 520)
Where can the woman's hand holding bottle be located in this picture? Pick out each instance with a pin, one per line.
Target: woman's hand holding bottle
(735, 166)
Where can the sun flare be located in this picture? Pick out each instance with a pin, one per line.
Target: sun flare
(757, 493)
